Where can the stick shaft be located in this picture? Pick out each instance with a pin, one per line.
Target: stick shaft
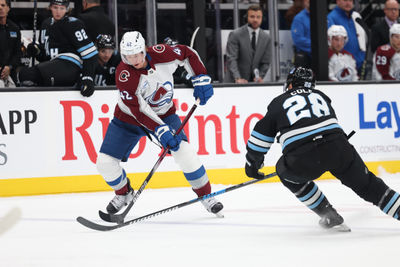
(34, 28)
(186, 203)
(164, 153)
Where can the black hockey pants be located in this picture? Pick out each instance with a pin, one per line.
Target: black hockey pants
(330, 153)
(56, 72)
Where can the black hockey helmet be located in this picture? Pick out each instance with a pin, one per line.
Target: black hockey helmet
(60, 2)
(300, 77)
(104, 41)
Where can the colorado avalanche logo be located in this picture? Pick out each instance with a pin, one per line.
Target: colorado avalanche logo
(163, 95)
(345, 74)
(159, 48)
(123, 76)
(396, 74)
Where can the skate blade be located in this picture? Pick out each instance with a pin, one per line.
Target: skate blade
(343, 228)
(219, 215)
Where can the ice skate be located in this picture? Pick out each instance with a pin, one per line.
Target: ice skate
(332, 220)
(214, 206)
(119, 201)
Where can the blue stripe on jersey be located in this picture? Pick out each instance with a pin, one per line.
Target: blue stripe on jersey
(85, 47)
(310, 194)
(73, 60)
(301, 136)
(257, 148)
(118, 180)
(262, 137)
(390, 203)
(90, 55)
(190, 176)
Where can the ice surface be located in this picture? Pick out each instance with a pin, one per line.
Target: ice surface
(264, 225)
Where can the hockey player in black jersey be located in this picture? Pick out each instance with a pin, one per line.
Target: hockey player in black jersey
(107, 62)
(67, 55)
(304, 123)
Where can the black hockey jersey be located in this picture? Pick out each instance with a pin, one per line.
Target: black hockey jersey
(105, 75)
(66, 39)
(294, 118)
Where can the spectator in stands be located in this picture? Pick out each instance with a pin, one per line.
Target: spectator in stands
(66, 53)
(10, 46)
(108, 60)
(248, 50)
(298, 5)
(380, 30)
(343, 14)
(387, 57)
(95, 20)
(301, 36)
(342, 65)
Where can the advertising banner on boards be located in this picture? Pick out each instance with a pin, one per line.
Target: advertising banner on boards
(59, 133)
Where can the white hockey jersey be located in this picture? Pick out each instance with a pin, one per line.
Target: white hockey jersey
(342, 66)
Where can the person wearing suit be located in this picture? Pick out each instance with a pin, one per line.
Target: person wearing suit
(380, 30)
(248, 50)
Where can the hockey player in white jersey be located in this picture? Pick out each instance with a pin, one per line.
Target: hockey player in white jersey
(342, 65)
(145, 81)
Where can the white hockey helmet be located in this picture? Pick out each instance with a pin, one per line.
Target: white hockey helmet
(395, 29)
(132, 43)
(337, 30)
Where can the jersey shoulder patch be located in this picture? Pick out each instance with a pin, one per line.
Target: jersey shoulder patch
(385, 47)
(385, 50)
(71, 19)
(160, 48)
(177, 51)
(124, 76)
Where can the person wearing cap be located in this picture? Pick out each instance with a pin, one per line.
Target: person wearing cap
(108, 60)
(10, 46)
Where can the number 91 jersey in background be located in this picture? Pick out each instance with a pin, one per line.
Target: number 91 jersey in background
(297, 116)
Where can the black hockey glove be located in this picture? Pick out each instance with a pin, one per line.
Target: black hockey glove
(87, 86)
(32, 50)
(253, 164)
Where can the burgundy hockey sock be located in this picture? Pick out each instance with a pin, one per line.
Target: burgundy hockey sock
(204, 190)
(124, 189)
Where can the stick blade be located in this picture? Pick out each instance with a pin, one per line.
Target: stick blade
(115, 218)
(95, 226)
(10, 219)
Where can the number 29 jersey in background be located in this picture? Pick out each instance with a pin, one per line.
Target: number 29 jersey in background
(297, 116)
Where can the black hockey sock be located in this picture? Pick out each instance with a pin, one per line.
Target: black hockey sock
(313, 198)
(390, 203)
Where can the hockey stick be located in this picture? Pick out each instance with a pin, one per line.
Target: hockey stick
(363, 70)
(194, 37)
(34, 29)
(10, 219)
(100, 227)
(119, 218)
